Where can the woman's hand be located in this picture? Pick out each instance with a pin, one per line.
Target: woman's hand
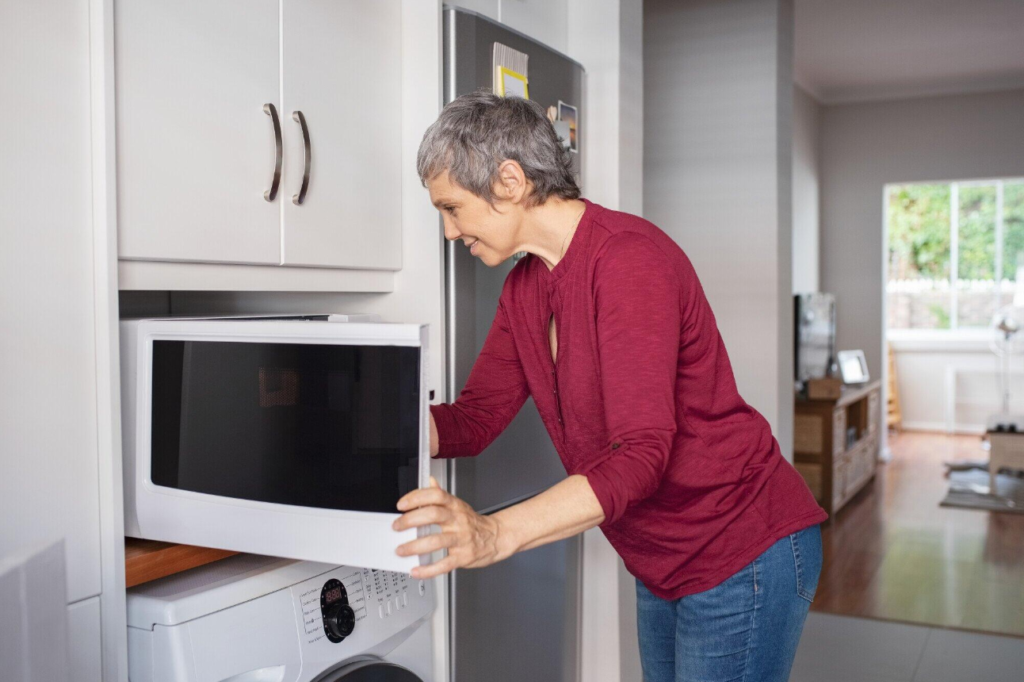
(472, 540)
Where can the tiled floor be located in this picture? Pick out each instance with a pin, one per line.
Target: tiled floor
(844, 649)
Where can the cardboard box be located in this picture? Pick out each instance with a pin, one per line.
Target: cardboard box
(824, 389)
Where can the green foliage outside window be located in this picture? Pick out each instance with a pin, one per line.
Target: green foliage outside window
(919, 230)
(1013, 227)
(922, 292)
(978, 232)
(919, 243)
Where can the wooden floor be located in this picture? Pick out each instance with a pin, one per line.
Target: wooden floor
(892, 553)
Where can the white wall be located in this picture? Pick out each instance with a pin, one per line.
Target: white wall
(488, 8)
(806, 200)
(865, 146)
(952, 384)
(543, 20)
(717, 174)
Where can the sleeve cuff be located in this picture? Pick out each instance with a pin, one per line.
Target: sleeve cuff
(604, 491)
(630, 472)
(447, 433)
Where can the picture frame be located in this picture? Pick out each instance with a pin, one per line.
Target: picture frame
(570, 114)
(853, 367)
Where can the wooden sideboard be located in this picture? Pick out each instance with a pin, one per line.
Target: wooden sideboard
(835, 443)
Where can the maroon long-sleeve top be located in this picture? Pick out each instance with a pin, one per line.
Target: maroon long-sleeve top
(641, 400)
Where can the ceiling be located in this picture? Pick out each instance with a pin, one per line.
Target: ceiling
(858, 50)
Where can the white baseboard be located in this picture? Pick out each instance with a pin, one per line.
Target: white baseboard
(940, 427)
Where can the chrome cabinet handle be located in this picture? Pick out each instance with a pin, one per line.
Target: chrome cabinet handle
(271, 111)
(307, 156)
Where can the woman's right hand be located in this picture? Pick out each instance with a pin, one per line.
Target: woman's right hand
(434, 447)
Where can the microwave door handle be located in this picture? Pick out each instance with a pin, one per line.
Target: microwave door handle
(270, 110)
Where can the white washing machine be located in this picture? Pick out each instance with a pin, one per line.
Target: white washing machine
(260, 619)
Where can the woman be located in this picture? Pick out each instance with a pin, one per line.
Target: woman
(606, 326)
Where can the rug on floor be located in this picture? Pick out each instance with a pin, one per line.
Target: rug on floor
(970, 489)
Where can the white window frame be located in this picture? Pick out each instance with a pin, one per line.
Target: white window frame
(970, 334)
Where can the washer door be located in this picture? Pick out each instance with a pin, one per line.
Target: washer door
(370, 671)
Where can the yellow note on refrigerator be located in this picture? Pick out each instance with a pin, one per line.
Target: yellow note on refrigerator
(511, 83)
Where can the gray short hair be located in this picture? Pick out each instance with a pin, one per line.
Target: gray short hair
(475, 133)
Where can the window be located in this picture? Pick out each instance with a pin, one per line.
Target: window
(954, 252)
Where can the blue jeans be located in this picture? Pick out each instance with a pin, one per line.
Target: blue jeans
(744, 629)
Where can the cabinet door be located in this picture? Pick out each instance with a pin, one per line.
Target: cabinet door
(85, 648)
(838, 431)
(808, 434)
(195, 149)
(342, 70)
(49, 470)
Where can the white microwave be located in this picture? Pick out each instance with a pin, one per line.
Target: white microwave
(289, 437)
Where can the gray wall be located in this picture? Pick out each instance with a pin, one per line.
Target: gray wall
(718, 174)
(865, 146)
(631, 106)
(806, 200)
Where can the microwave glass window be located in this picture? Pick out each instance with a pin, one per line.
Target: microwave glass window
(328, 426)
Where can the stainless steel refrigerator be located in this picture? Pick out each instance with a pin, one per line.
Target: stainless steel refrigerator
(519, 619)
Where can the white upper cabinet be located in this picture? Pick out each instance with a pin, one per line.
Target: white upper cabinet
(202, 89)
(342, 69)
(195, 149)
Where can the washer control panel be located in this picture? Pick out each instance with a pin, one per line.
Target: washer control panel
(391, 591)
(351, 606)
(338, 617)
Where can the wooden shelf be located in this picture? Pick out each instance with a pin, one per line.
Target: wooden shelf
(146, 560)
(834, 470)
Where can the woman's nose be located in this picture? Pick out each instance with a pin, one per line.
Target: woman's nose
(450, 233)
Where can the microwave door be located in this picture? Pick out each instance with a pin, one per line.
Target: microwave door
(292, 449)
(330, 427)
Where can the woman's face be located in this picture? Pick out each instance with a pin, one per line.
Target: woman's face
(490, 231)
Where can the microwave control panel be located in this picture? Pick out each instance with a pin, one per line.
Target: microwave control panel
(356, 608)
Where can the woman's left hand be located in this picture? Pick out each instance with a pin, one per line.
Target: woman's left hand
(472, 540)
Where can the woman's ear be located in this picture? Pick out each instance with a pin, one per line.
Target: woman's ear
(512, 185)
